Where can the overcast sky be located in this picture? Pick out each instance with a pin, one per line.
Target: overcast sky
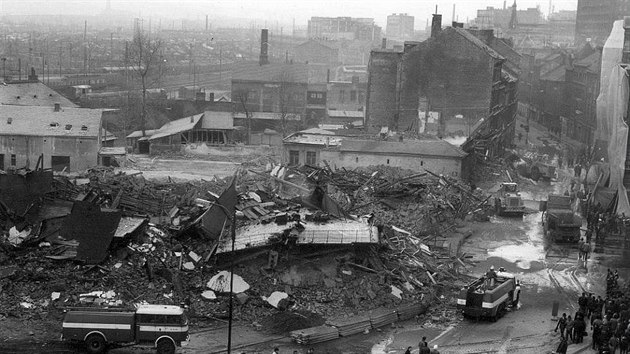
(283, 11)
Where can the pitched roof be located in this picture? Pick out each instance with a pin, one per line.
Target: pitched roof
(476, 41)
(272, 72)
(176, 126)
(138, 133)
(31, 94)
(44, 121)
(439, 148)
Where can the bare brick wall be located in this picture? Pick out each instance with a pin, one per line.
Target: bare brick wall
(381, 95)
(459, 77)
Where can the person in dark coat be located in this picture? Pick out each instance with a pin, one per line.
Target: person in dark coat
(579, 328)
(563, 346)
(562, 324)
(570, 324)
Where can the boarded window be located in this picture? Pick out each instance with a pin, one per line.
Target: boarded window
(311, 158)
(294, 157)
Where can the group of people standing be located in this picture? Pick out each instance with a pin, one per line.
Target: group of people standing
(609, 321)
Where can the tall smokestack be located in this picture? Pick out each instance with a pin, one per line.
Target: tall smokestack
(264, 46)
(453, 18)
(436, 25)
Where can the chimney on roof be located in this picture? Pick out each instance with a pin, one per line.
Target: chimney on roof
(264, 47)
(625, 58)
(57, 107)
(200, 96)
(436, 25)
(384, 44)
(32, 77)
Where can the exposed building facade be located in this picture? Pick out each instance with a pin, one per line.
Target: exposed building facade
(454, 74)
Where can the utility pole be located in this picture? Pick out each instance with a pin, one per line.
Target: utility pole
(60, 49)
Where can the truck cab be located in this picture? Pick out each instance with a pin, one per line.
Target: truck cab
(560, 222)
(480, 298)
(163, 327)
(509, 201)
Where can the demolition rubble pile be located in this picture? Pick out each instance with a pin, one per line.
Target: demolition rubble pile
(153, 244)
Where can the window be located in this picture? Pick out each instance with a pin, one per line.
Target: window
(353, 96)
(311, 158)
(294, 157)
(421, 163)
(60, 163)
(13, 160)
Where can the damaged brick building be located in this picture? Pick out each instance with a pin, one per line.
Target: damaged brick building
(456, 75)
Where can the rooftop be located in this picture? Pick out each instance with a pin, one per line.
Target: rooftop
(408, 147)
(44, 121)
(176, 126)
(31, 94)
(476, 41)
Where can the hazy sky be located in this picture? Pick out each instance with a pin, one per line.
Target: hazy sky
(283, 11)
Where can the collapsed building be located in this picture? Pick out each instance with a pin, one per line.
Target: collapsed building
(110, 238)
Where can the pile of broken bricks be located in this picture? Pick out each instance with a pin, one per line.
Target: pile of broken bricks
(165, 259)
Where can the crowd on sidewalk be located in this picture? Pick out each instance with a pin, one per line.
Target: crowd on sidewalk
(609, 320)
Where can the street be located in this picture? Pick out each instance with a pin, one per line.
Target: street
(548, 274)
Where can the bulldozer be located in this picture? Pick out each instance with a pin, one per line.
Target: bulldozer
(508, 201)
(537, 167)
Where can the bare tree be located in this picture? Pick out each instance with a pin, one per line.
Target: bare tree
(145, 60)
(287, 102)
(240, 96)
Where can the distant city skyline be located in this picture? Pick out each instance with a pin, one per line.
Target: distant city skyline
(282, 12)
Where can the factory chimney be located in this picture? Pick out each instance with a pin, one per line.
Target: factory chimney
(264, 47)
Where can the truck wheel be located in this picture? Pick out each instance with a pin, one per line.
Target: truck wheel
(165, 346)
(95, 344)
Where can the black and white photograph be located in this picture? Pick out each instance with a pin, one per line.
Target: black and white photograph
(315, 176)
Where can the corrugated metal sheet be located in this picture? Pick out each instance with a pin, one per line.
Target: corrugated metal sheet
(334, 232)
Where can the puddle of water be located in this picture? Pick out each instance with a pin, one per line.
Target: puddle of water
(521, 255)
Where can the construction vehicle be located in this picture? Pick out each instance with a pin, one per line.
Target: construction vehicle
(536, 167)
(560, 223)
(509, 201)
(163, 327)
(488, 298)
